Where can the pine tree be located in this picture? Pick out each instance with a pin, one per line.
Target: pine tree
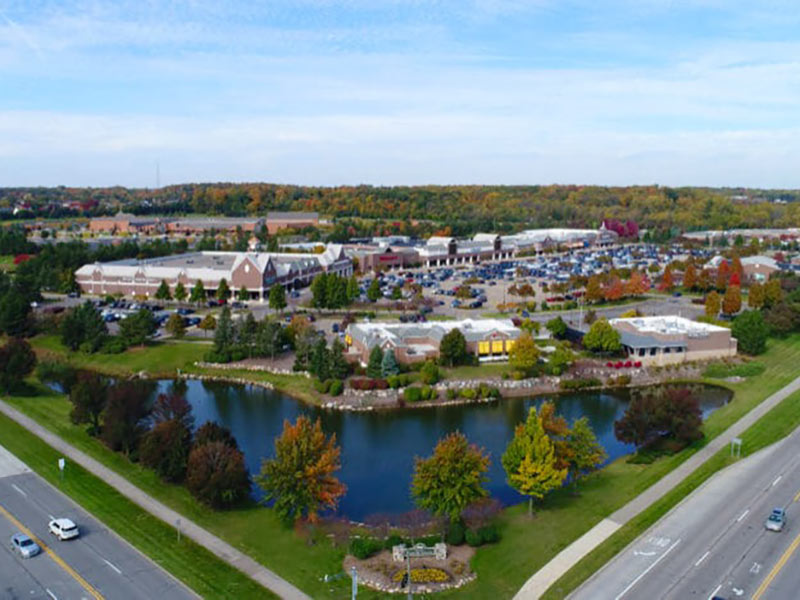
(374, 290)
(352, 289)
(198, 292)
(180, 292)
(162, 293)
(375, 363)
(243, 295)
(389, 363)
(319, 363)
(319, 290)
(339, 367)
(277, 297)
(530, 461)
(223, 291)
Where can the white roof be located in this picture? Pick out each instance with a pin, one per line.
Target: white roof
(671, 324)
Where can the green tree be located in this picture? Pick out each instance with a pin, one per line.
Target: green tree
(429, 373)
(224, 335)
(300, 478)
(602, 337)
(175, 326)
(375, 363)
(243, 295)
(209, 323)
(557, 327)
(180, 292)
(319, 291)
(339, 367)
(17, 361)
(352, 289)
(524, 355)
(374, 291)
(751, 332)
(560, 359)
(755, 296)
(453, 348)
(15, 311)
(83, 328)
(277, 298)
(389, 364)
(530, 461)
(713, 305)
(223, 290)
(319, 361)
(586, 453)
(139, 326)
(162, 293)
(198, 292)
(452, 478)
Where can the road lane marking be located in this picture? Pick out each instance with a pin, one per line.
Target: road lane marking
(797, 497)
(714, 593)
(777, 479)
(702, 558)
(777, 568)
(113, 566)
(56, 558)
(51, 594)
(14, 485)
(647, 570)
(743, 515)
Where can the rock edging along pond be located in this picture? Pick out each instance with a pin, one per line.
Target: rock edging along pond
(378, 447)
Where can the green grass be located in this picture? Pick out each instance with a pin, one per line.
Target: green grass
(481, 371)
(723, 370)
(189, 562)
(776, 424)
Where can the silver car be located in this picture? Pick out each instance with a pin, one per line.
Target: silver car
(776, 520)
(26, 547)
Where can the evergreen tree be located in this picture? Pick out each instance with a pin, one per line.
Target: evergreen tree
(198, 292)
(374, 366)
(223, 291)
(277, 297)
(352, 289)
(224, 335)
(751, 332)
(339, 367)
(243, 295)
(319, 291)
(17, 360)
(530, 461)
(162, 293)
(319, 362)
(180, 292)
(389, 364)
(374, 290)
(139, 326)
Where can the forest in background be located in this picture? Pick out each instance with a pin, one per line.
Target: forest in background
(464, 209)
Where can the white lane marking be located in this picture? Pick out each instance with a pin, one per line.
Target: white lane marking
(714, 593)
(743, 515)
(52, 518)
(51, 594)
(702, 558)
(14, 485)
(637, 553)
(647, 570)
(777, 479)
(755, 569)
(113, 567)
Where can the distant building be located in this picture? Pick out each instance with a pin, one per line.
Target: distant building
(759, 268)
(294, 220)
(671, 339)
(125, 223)
(488, 339)
(255, 271)
(131, 224)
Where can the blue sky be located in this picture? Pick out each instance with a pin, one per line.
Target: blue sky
(329, 92)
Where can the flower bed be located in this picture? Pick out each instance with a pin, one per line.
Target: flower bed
(423, 575)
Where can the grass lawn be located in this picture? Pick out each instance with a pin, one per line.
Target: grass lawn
(189, 562)
(526, 545)
(482, 371)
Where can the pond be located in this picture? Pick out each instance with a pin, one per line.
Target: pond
(378, 448)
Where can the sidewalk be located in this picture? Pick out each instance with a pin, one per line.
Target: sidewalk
(540, 581)
(212, 543)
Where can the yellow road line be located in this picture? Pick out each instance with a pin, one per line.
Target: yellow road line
(797, 497)
(58, 560)
(777, 568)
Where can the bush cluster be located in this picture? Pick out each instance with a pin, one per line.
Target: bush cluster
(363, 548)
(579, 384)
(484, 535)
(366, 383)
(398, 381)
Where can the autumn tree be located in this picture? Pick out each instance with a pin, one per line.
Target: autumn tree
(300, 478)
(723, 275)
(713, 305)
(586, 453)
(637, 284)
(690, 277)
(594, 290)
(175, 326)
(667, 280)
(216, 473)
(165, 449)
(451, 478)
(530, 461)
(524, 355)
(88, 397)
(755, 296)
(732, 300)
(557, 429)
(123, 419)
(773, 293)
(614, 290)
(209, 323)
(660, 413)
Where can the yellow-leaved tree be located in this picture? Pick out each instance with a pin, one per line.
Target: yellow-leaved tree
(530, 461)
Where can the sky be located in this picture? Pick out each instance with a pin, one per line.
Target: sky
(400, 92)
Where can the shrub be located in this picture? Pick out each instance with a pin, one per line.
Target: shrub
(517, 375)
(490, 534)
(427, 393)
(579, 384)
(455, 534)
(322, 386)
(392, 541)
(468, 393)
(430, 373)
(473, 538)
(393, 381)
(452, 393)
(363, 548)
(412, 394)
(115, 345)
(336, 388)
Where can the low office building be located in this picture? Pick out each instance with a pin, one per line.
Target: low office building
(257, 272)
(126, 223)
(670, 339)
(203, 225)
(488, 339)
(291, 220)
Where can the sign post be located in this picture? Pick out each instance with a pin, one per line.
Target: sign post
(61, 464)
(354, 575)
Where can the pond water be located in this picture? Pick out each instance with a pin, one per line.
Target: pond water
(378, 448)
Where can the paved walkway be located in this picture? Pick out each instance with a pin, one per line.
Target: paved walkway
(540, 581)
(212, 543)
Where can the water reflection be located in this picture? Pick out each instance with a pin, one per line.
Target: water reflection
(378, 449)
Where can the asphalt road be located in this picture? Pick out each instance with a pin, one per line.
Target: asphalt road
(714, 543)
(96, 565)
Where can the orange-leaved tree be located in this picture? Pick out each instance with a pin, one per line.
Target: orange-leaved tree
(300, 477)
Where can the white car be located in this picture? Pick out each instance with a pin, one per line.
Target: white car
(63, 529)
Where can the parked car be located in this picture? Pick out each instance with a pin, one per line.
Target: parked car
(63, 529)
(24, 545)
(184, 311)
(776, 520)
